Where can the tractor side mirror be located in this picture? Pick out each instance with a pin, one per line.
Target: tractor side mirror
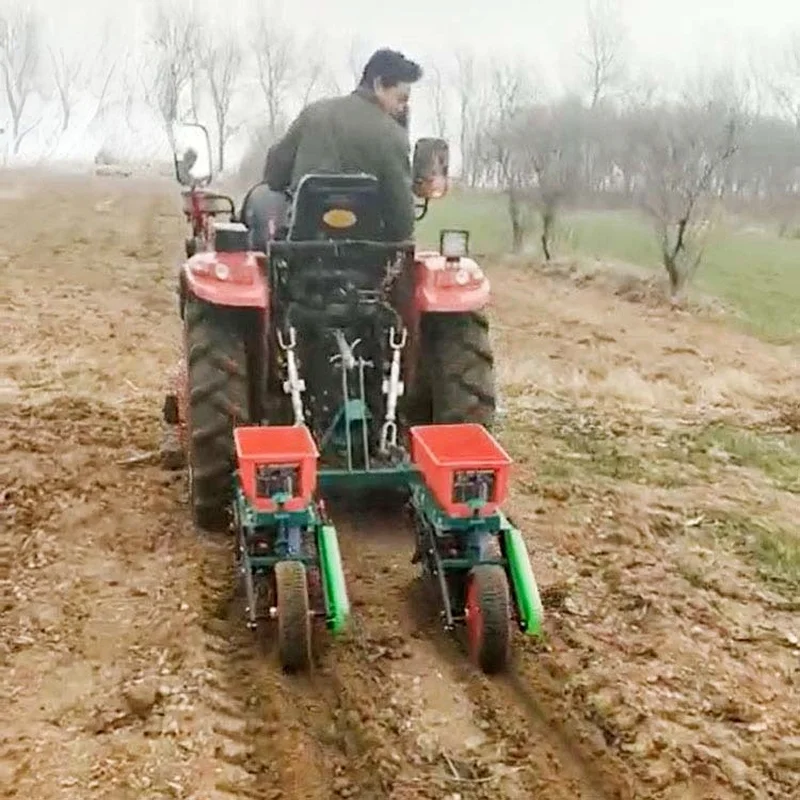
(192, 152)
(430, 169)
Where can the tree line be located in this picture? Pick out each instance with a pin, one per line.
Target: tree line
(613, 138)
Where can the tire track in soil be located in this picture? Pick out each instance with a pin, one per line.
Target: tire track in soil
(6, 560)
(522, 744)
(333, 732)
(524, 698)
(267, 731)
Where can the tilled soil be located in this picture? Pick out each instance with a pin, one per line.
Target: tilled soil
(127, 669)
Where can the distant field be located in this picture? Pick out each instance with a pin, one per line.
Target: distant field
(752, 269)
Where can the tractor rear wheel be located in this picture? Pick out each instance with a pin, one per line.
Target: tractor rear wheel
(294, 621)
(218, 400)
(488, 617)
(457, 370)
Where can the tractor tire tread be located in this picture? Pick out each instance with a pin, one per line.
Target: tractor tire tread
(463, 371)
(218, 399)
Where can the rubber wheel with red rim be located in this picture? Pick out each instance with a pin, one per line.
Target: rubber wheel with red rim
(294, 621)
(488, 617)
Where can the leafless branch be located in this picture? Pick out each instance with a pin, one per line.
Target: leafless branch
(173, 38)
(20, 61)
(438, 101)
(275, 51)
(785, 81)
(222, 62)
(683, 154)
(603, 56)
(67, 74)
(356, 58)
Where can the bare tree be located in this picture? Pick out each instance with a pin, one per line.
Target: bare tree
(222, 62)
(476, 106)
(356, 58)
(311, 80)
(82, 72)
(438, 101)
(497, 145)
(683, 153)
(785, 82)
(67, 77)
(101, 83)
(545, 156)
(275, 51)
(603, 56)
(174, 37)
(20, 61)
(132, 85)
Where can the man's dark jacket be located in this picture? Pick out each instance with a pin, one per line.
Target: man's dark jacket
(349, 134)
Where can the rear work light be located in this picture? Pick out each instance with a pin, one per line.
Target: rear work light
(454, 244)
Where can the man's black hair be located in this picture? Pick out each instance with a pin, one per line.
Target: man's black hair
(390, 67)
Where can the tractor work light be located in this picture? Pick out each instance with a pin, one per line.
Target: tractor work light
(454, 244)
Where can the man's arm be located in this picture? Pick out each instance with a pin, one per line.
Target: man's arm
(280, 157)
(398, 199)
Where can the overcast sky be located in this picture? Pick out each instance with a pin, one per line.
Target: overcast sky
(675, 31)
(668, 38)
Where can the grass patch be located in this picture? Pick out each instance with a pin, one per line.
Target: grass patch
(560, 445)
(564, 445)
(775, 455)
(754, 272)
(774, 550)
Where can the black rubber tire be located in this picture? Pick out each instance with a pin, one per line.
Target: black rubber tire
(218, 400)
(490, 646)
(457, 375)
(294, 622)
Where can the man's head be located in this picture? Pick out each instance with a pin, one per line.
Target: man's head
(389, 75)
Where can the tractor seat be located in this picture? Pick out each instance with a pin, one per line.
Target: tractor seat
(336, 206)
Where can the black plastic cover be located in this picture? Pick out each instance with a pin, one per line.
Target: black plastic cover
(230, 237)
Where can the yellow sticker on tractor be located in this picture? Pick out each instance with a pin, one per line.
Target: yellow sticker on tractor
(339, 218)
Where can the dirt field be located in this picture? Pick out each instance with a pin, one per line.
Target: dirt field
(657, 484)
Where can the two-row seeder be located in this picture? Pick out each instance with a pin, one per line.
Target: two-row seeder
(320, 357)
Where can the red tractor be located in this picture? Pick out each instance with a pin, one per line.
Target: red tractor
(319, 356)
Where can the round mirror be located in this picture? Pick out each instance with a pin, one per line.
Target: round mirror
(430, 168)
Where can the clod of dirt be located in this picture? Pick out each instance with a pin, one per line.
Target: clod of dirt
(141, 698)
(342, 787)
(789, 756)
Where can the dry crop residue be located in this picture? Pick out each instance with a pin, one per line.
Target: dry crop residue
(670, 667)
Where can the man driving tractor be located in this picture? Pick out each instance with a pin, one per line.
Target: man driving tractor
(364, 131)
(184, 166)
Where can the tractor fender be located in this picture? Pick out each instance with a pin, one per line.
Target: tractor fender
(225, 279)
(449, 286)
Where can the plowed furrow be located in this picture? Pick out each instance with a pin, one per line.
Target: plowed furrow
(510, 746)
(263, 730)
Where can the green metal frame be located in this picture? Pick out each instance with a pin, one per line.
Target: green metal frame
(400, 477)
(328, 557)
(515, 559)
(341, 436)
